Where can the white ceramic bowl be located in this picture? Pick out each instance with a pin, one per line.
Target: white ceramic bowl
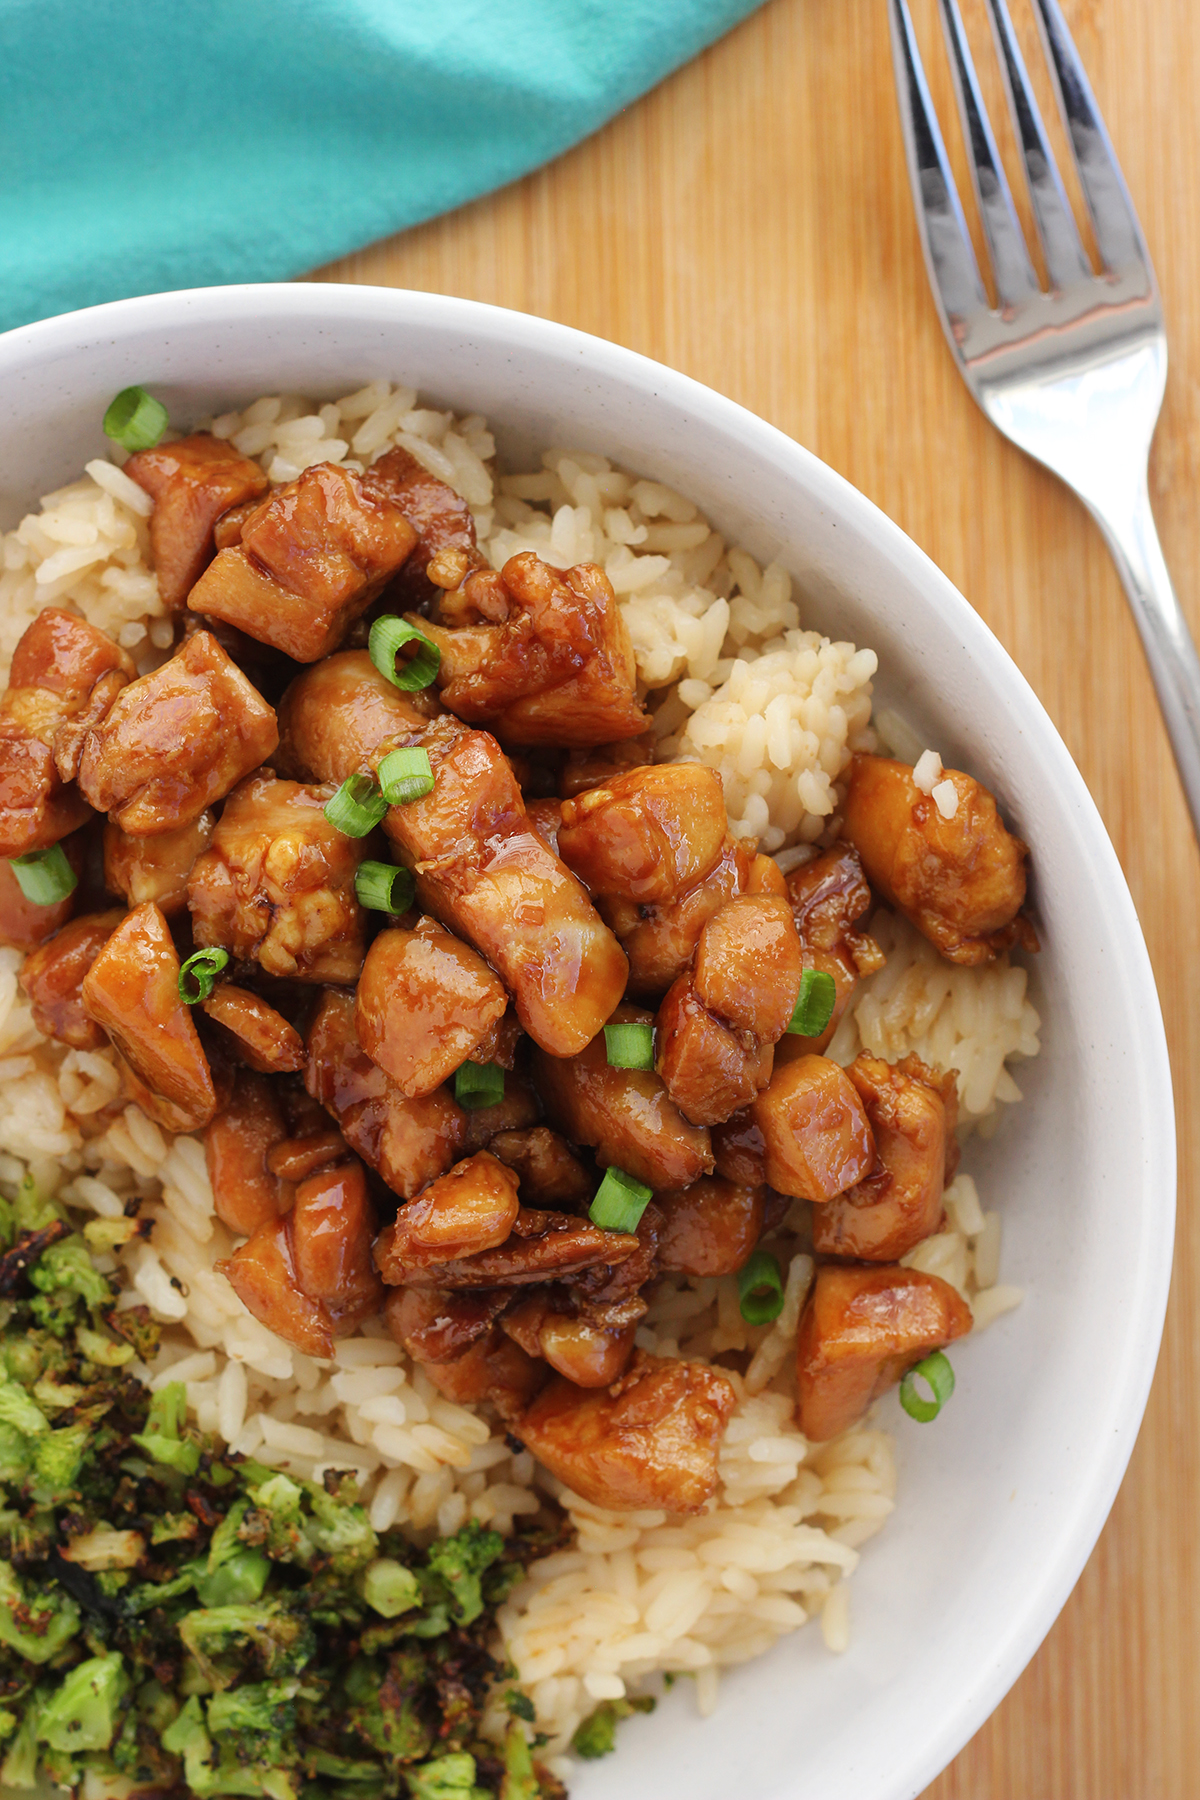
(1000, 1501)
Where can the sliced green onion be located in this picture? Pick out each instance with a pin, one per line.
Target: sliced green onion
(384, 887)
(135, 419)
(760, 1289)
(388, 635)
(937, 1373)
(198, 973)
(357, 807)
(477, 1085)
(45, 876)
(619, 1202)
(629, 1046)
(814, 1003)
(405, 775)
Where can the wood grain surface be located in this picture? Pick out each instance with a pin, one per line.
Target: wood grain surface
(750, 223)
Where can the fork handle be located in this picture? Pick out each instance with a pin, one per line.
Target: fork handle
(1170, 651)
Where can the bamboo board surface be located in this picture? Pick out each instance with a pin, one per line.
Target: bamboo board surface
(750, 223)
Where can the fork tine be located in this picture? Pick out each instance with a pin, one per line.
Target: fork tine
(1118, 232)
(1065, 258)
(1015, 275)
(948, 250)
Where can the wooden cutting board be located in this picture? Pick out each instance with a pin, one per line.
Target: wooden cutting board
(750, 223)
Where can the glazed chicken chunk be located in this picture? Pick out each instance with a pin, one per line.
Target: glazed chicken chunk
(550, 662)
(860, 1330)
(649, 834)
(541, 1246)
(710, 1228)
(481, 868)
(155, 868)
(64, 677)
(343, 716)
(816, 1139)
(435, 1325)
(719, 1023)
(23, 923)
(410, 1142)
(494, 1370)
(911, 1112)
(441, 519)
(176, 741)
(660, 938)
(192, 482)
(828, 896)
(333, 1228)
(132, 990)
(276, 886)
(473, 1207)
(488, 876)
(587, 1352)
(961, 880)
(237, 1144)
(550, 1173)
(253, 1032)
(425, 1003)
(649, 1441)
(308, 1276)
(53, 979)
(626, 1115)
(312, 557)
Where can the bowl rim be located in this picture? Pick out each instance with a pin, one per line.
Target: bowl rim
(316, 304)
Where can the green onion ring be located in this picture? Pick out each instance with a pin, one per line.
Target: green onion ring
(937, 1372)
(760, 1288)
(384, 887)
(135, 419)
(814, 1003)
(629, 1046)
(388, 636)
(477, 1085)
(357, 807)
(200, 972)
(44, 876)
(405, 775)
(619, 1202)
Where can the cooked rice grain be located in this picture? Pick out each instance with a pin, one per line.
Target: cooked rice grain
(974, 1020)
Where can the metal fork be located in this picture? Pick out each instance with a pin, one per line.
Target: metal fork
(1074, 376)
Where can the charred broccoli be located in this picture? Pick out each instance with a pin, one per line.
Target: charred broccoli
(197, 1622)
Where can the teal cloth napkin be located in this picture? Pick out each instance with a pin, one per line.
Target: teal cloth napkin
(154, 144)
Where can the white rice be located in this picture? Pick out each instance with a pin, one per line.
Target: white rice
(735, 682)
(974, 1020)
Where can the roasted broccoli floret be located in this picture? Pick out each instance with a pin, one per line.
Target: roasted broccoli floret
(57, 1462)
(162, 1439)
(459, 1562)
(446, 1778)
(82, 1714)
(68, 1267)
(596, 1736)
(276, 1632)
(36, 1622)
(240, 1579)
(385, 1710)
(389, 1588)
(519, 1781)
(255, 1723)
(341, 1531)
